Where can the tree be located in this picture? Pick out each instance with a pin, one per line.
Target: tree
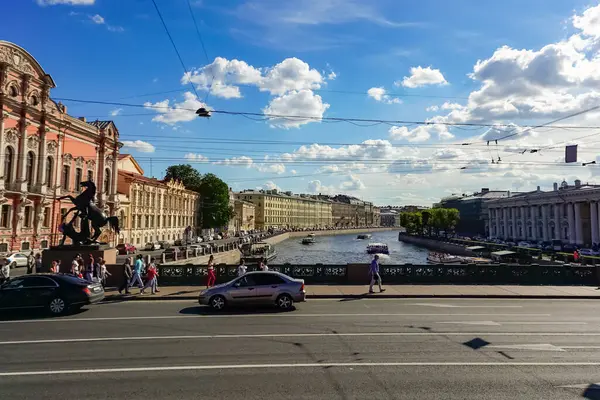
(425, 219)
(188, 175)
(215, 210)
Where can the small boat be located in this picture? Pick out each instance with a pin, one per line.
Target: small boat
(311, 235)
(377, 248)
(438, 258)
(309, 240)
(254, 252)
(364, 236)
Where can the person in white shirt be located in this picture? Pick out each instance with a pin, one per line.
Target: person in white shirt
(241, 268)
(4, 271)
(263, 265)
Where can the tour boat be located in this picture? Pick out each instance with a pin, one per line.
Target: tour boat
(437, 258)
(364, 236)
(254, 252)
(377, 248)
(309, 240)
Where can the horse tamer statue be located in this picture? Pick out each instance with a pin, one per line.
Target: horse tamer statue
(87, 211)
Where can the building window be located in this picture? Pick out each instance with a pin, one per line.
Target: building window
(3, 247)
(66, 177)
(44, 244)
(33, 100)
(5, 216)
(28, 216)
(133, 222)
(49, 169)
(25, 246)
(46, 220)
(147, 222)
(29, 169)
(139, 221)
(90, 175)
(8, 164)
(78, 176)
(106, 180)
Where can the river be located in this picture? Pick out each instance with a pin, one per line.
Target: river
(345, 249)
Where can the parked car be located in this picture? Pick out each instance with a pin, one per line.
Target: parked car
(588, 252)
(152, 246)
(254, 288)
(57, 293)
(177, 242)
(524, 244)
(126, 248)
(569, 248)
(17, 260)
(164, 245)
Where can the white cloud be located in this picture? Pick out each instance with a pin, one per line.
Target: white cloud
(66, 2)
(195, 157)
(419, 134)
(317, 187)
(179, 112)
(379, 94)
(451, 106)
(498, 132)
(420, 76)
(433, 108)
(269, 185)
(97, 19)
(588, 22)
(331, 76)
(303, 103)
(138, 145)
(352, 184)
(116, 112)
(372, 149)
(114, 28)
(243, 161)
(272, 168)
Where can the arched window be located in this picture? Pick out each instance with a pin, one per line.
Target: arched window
(66, 177)
(107, 181)
(49, 169)
(13, 91)
(29, 176)
(8, 164)
(78, 177)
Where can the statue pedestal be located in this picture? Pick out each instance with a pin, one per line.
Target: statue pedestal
(67, 253)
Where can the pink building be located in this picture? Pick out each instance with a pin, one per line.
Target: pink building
(44, 154)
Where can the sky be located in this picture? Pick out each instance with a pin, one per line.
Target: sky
(404, 102)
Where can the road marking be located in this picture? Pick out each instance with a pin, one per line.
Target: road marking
(299, 365)
(590, 386)
(487, 323)
(494, 323)
(455, 306)
(272, 315)
(580, 347)
(535, 347)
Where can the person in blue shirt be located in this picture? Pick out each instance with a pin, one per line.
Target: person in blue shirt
(138, 267)
(374, 273)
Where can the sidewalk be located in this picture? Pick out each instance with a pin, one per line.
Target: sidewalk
(394, 291)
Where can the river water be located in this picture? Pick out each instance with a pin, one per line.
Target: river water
(344, 249)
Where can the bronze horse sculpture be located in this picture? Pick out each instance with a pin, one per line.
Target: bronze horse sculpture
(85, 208)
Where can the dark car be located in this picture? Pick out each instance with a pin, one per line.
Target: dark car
(126, 248)
(57, 293)
(164, 245)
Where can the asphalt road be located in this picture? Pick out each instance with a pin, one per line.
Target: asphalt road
(326, 349)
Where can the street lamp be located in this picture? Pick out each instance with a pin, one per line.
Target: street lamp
(203, 112)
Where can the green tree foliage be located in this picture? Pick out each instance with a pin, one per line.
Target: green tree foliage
(215, 210)
(436, 219)
(188, 175)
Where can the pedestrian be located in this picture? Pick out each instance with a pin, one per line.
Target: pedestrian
(127, 274)
(4, 271)
(30, 263)
(241, 270)
(374, 272)
(263, 264)
(38, 263)
(57, 267)
(576, 256)
(153, 264)
(96, 272)
(89, 268)
(103, 273)
(136, 278)
(54, 267)
(211, 272)
(75, 266)
(151, 276)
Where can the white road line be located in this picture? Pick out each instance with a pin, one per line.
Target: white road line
(273, 315)
(438, 305)
(487, 323)
(494, 323)
(299, 365)
(534, 347)
(310, 335)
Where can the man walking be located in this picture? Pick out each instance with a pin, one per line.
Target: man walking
(127, 274)
(374, 272)
(136, 279)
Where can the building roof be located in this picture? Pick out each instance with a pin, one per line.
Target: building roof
(282, 195)
(100, 124)
(141, 178)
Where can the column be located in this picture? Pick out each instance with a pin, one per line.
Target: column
(3, 116)
(42, 159)
(22, 153)
(515, 234)
(545, 225)
(505, 222)
(115, 166)
(558, 221)
(578, 224)
(594, 221)
(533, 210)
(571, 218)
(523, 223)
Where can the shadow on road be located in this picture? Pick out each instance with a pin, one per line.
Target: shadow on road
(199, 310)
(592, 392)
(35, 314)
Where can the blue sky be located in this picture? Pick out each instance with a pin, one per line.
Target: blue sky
(389, 60)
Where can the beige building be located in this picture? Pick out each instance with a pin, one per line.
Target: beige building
(153, 210)
(287, 210)
(244, 215)
(350, 212)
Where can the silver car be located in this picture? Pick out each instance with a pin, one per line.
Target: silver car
(254, 288)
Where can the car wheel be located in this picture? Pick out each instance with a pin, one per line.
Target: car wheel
(13, 265)
(217, 303)
(285, 302)
(57, 306)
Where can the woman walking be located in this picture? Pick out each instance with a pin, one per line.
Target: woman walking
(103, 274)
(211, 272)
(89, 268)
(151, 276)
(127, 273)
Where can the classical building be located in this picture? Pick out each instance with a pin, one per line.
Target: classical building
(153, 210)
(472, 209)
(390, 216)
(244, 215)
(348, 211)
(287, 210)
(569, 213)
(46, 154)
(376, 216)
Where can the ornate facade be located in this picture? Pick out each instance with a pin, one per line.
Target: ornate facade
(567, 213)
(244, 215)
(153, 210)
(46, 153)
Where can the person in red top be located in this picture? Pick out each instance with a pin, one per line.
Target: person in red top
(576, 256)
(211, 272)
(151, 276)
